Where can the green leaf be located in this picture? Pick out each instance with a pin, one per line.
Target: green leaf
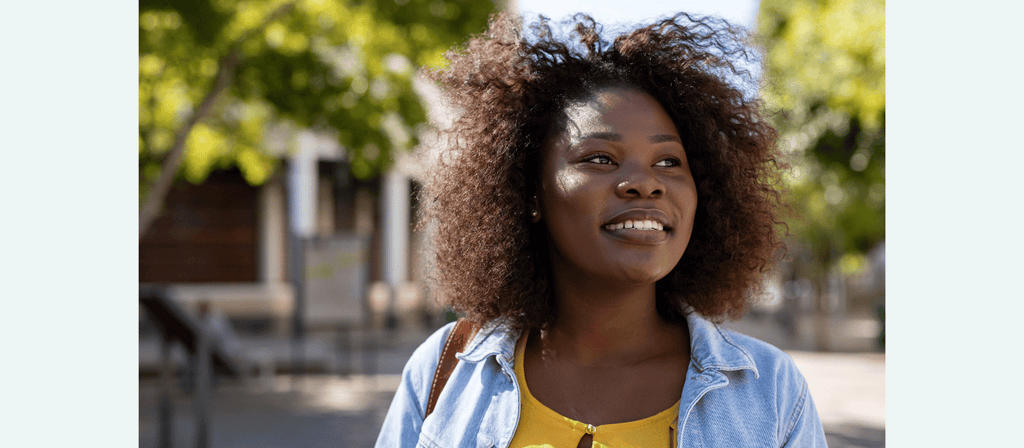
(342, 66)
(825, 70)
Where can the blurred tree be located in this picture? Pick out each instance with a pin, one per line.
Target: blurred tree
(215, 75)
(825, 70)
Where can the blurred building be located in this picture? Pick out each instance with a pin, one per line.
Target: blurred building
(228, 243)
(836, 311)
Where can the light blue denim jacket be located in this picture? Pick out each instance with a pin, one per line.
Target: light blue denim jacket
(739, 392)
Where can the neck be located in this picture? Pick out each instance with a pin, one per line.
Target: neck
(600, 323)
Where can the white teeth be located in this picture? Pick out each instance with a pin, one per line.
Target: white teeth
(638, 225)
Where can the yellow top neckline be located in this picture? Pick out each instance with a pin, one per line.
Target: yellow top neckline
(668, 415)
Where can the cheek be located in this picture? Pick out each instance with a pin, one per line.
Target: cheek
(568, 208)
(564, 195)
(692, 200)
(568, 183)
(691, 213)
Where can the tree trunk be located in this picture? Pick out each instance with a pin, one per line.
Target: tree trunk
(154, 202)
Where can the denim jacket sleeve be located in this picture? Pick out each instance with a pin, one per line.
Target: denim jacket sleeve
(764, 389)
(800, 425)
(805, 427)
(404, 420)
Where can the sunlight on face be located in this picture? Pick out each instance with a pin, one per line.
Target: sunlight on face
(617, 195)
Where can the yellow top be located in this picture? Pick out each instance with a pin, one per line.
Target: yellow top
(542, 427)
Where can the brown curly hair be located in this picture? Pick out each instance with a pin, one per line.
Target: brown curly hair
(510, 89)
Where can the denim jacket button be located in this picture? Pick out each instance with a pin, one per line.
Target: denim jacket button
(486, 440)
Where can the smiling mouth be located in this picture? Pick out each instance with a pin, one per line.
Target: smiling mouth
(638, 225)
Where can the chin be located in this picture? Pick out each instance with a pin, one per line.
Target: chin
(643, 277)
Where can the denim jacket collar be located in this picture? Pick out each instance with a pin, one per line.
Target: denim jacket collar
(710, 347)
(713, 349)
(493, 339)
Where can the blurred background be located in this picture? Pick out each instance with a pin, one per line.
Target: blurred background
(280, 149)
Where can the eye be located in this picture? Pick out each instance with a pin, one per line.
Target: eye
(601, 159)
(669, 162)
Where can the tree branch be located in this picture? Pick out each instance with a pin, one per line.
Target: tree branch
(154, 202)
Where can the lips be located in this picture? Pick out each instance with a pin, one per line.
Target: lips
(639, 226)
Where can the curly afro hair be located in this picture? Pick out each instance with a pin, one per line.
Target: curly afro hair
(510, 87)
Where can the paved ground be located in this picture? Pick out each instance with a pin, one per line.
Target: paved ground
(849, 392)
(336, 411)
(287, 412)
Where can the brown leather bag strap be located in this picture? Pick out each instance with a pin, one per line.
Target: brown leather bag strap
(463, 331)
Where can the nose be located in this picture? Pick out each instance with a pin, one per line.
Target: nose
(640, 183)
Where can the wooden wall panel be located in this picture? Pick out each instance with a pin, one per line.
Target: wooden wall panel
(207, 233)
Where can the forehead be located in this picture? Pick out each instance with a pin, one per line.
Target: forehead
(615, 110)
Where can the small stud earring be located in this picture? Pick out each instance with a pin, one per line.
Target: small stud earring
(533, 213)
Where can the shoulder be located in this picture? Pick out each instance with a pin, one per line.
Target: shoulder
(785, 390)
(776, 394)
(419, 370)
(404, 420)
(716, 347)
(775, 369)
(769, 360)
(778, 382)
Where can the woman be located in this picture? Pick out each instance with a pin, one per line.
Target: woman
(597, 199)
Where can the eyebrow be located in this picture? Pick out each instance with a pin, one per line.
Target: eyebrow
(661, 138)
(615, 137)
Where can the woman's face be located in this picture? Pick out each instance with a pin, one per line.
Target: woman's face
(616, 192)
